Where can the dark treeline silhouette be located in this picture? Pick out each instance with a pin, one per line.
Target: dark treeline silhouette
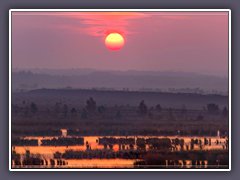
(159, 120)
(155, 159)
(112, 140)
(35, 160)
(63, 141)
(121, 113)
(24, 142)
(212, 159)
(101, 154)
(36, 131)
(213, 108)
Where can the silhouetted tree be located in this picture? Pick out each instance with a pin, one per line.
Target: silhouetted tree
(101, 109)
(205, 141)
(225, 112)
(57, 155)
(158, 107)
(91, 105)
(33, 108)
(142, 108)
(212, 108)
(84, 114)
(181, 144)
(73, 112)
(27, 154)
(192, 144)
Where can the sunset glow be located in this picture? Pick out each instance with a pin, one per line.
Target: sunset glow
(119, 90)
(114, 41)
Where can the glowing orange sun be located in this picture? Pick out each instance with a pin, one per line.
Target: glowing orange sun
(114, 41)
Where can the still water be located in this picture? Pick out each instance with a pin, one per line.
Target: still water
(47, 152)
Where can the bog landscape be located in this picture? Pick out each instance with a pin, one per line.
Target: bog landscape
(113, 128)
(158, 103)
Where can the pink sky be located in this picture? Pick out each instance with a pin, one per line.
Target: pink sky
(155, 41)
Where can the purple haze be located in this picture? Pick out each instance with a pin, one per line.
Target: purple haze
(188, 42)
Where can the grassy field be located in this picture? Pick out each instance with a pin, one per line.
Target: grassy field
(44, 112)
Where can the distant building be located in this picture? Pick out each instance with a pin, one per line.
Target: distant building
(64, 132)
(218, 133)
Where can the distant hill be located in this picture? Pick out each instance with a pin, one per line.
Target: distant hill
(78, 97)
(118, 80)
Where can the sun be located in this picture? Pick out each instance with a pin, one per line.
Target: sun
(114, 41)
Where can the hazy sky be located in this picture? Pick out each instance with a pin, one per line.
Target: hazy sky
(159, 41)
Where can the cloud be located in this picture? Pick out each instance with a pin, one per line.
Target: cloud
(100, 24)
(103, 23)
(93, 23)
